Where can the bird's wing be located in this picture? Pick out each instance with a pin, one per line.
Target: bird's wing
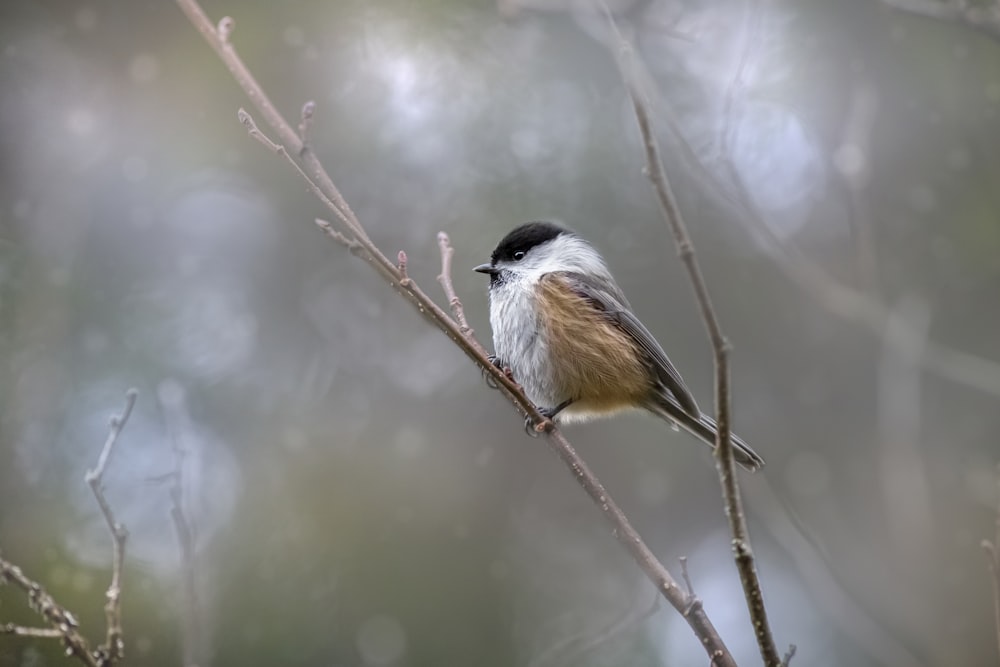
(606, 296)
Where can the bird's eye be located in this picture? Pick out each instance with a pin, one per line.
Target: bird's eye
(519, 255)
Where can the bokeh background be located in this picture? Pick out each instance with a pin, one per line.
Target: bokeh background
(358, 496)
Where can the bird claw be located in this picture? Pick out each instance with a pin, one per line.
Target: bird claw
(490, 382)
(533, 428)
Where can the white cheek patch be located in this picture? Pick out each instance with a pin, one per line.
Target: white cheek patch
(563, 253)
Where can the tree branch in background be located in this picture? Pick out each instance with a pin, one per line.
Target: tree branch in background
(64, 624)
(352, 235)
(978, 16)
(173, 407)
(992, 550)
(745, 563)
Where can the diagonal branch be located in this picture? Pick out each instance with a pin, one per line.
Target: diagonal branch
(667, 200)
(352, 234)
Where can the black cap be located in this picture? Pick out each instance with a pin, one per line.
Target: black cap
(525, 237)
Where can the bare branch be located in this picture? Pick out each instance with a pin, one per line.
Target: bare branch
(218, 39)
(114, 645)
(22, 631)
(789, 654)
(447, 252)
(305, 121)
(404, 278)
(670, 210)
(171, 400)
(685, 575)
(64, 624)
(322, 185)
(61, 620)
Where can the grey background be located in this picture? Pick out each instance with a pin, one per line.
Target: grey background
(358, 495)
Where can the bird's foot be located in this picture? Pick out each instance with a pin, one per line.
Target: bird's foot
(490, 381)
(548, 423)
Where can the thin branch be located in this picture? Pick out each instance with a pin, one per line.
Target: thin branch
(685, 575)
(789, 654)
(447, 252)
(61, 620)
(404, 278)
(305, 121)
(319, 180)
(114, 645)
(171, 400)
(218, 38)
(745, 563)
(64, 624)
(23, 631)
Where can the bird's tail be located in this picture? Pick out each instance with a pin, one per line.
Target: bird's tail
(705, 429)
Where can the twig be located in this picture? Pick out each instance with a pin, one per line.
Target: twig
(447, 252)
(171, 399)
(685, 575)
(321, 184)
(789, 654)
(694, 601)
(404, 278)
(23, 631)
(218, 39)
(992, 550)
(305, 121)
(843, 301)
(64, 624)
(743, 554)
(61, 620)
(114, 646)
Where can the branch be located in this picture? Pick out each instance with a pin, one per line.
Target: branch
(114, 646)
(64, 624)
(352, 235)
(444, 243)
(171, 399)
(745, 563)
(23, 631)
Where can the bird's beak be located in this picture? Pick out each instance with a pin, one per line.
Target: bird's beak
(487, 268)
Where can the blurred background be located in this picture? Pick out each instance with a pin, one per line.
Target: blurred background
(357, 495)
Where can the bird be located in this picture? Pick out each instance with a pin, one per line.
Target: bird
(568, 335)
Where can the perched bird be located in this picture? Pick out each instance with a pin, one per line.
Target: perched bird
(568, 335)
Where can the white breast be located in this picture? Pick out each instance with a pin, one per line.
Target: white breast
(520, 343)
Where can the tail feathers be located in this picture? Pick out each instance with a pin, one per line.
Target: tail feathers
(705, 429)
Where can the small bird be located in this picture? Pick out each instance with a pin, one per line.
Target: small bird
(568, 335)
